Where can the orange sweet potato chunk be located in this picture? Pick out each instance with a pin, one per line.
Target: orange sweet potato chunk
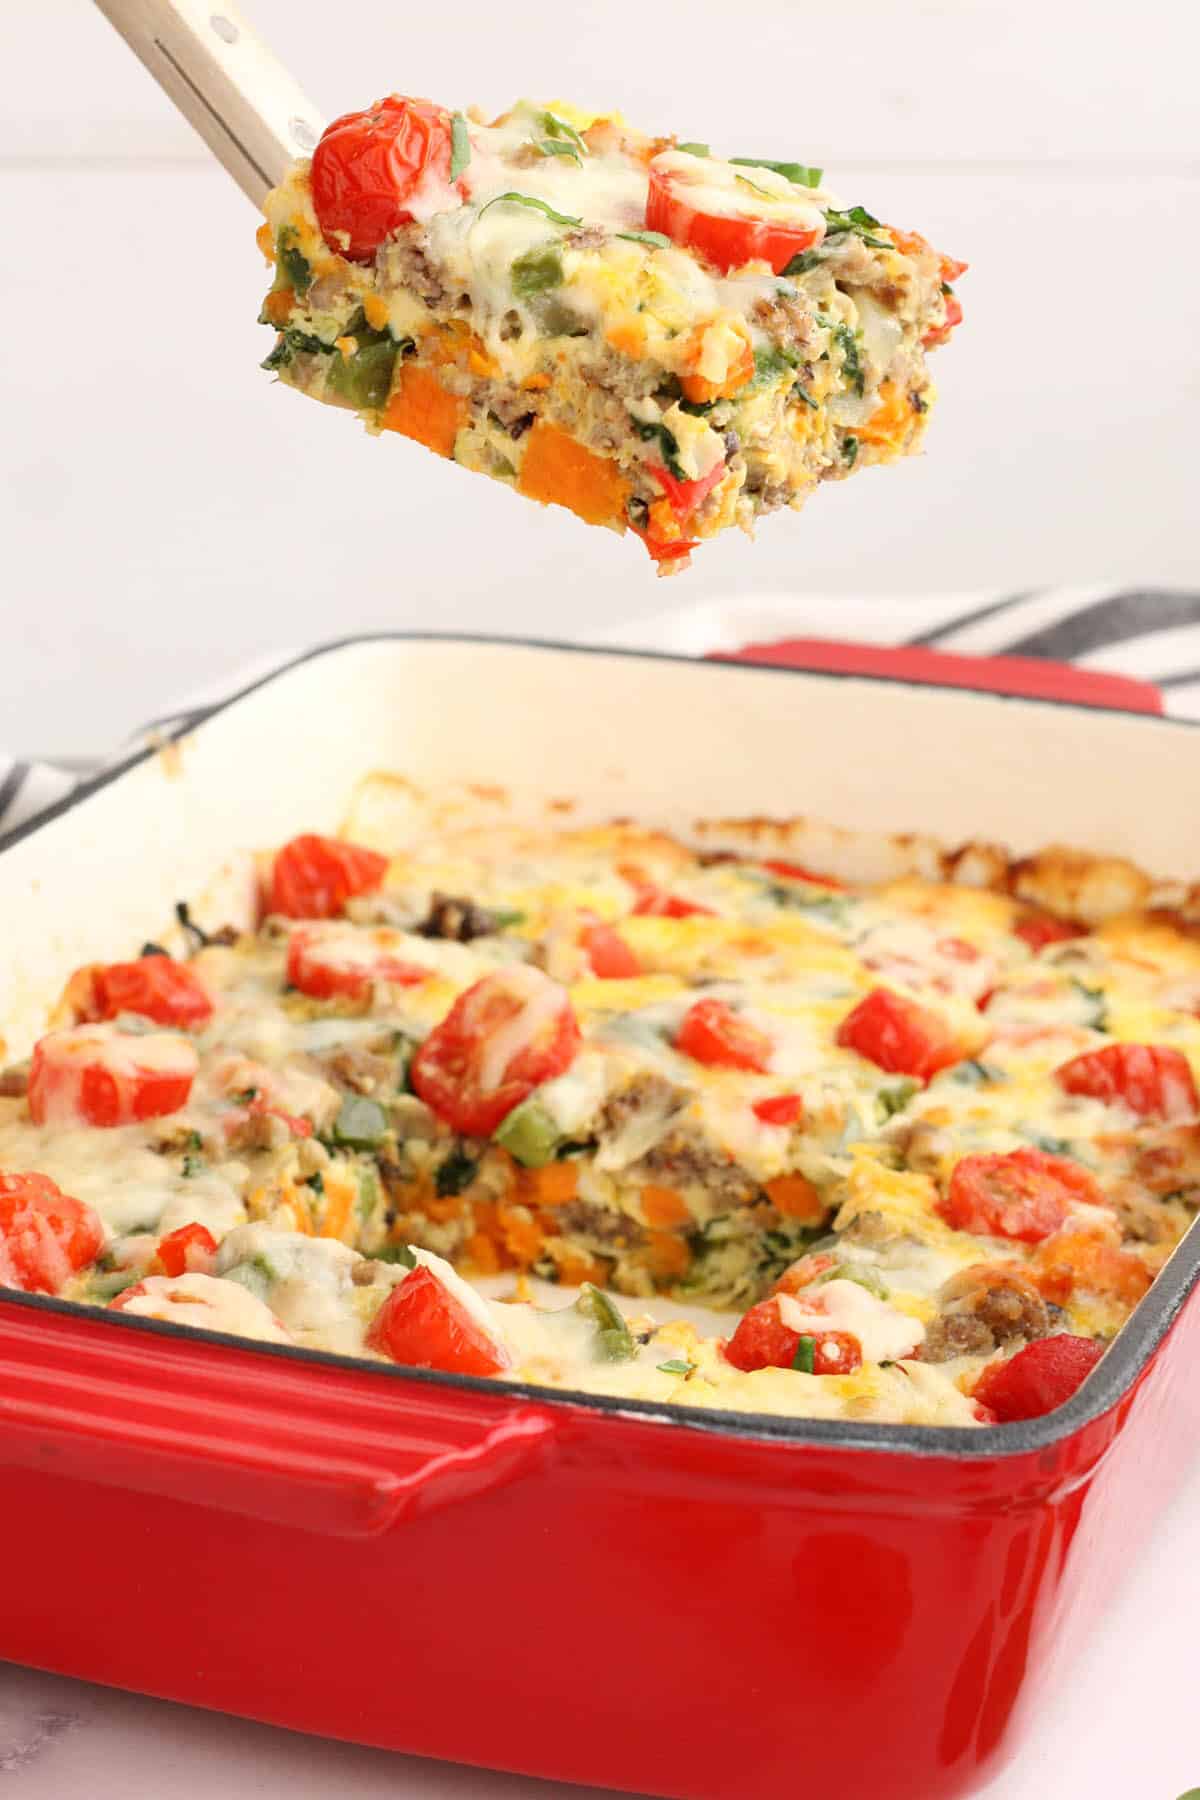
(559, 471)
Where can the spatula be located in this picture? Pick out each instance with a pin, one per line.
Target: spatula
(225, 82)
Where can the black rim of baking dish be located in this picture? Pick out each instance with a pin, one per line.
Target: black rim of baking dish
(1113, 1378)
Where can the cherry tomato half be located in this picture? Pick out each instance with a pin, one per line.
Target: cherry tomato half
(1040, 929)
(367, 166)
(779, 1109)
(941, 333)
(188, 1250)
(45, 1235)
(609, 954)
(424, 1326)
(480, 1061)
(313, 877)
(763, 1341)
(654, 902)
(713, 1033)
(896, 1034)
(1023, 1195)
(96, 1075)
(327, 964)
(156, 987)
(676, 206)
(1038, 1378)
(1152, 1080)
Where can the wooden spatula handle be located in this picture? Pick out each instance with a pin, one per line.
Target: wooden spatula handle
(225, 82)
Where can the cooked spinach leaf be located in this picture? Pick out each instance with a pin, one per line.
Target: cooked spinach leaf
(801, 173)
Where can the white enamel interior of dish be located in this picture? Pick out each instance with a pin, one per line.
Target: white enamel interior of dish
(665, 742)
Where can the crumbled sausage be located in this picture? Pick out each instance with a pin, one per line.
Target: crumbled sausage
(14, 1081)
(984, 1308)
(456, 917)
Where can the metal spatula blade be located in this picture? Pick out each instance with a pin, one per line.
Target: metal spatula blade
(227, 84)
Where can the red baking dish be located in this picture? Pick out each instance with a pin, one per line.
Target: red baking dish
(702, 1604)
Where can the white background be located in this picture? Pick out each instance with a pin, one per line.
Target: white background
(166, 513)
(165, 510)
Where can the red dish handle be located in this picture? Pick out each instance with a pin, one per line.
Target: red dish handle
(1026, 677)
(246, 1433)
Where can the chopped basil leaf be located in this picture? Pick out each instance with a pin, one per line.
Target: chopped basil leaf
(657, 238)
(1096, 1005)
(395, 1253)
(460, 146)
(676, 1366)
(150, 948)
(614, 1340)
(698, 409)
(745, 181)
(536, 271)
(973, 1073)
(316, 1182)
(556, 147)
(770, 366)
(801, 173)
(192, 1164)
(694, 149)
(807, 398)
(850, 451)
(857, 221)
(893, 1099)
(530, 200)
(845, 337)
(294, 268)
(456, 1174)
(555, 127)
(1053, 1146)
(806, 1355)
(670, 447)
(807, 259)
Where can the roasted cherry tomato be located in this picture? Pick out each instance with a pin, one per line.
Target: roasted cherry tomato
(314, 876)
(1040, 929)
(685, 496)
(911, 243)
(368, 165)
(1085, 1262)
(804, 1271)
(188, 1250)
(96, 1075)
(328, 964)
(713, 1033)
(155, 987)
(654, 902)
(1038, 1378)
(424, 1326)
(780, 1109)
(45, 1235)
(1152, 1080)
(502, 1038)
(1024, 1195)
(896, 1034)
(763, 1341)
(941, 333)
(791, 871)
(755, 228)
(609, 954)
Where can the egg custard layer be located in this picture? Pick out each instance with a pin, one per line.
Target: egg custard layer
(926, 1145)
(656, 338)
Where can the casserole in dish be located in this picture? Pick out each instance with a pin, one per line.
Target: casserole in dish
(956, 1548)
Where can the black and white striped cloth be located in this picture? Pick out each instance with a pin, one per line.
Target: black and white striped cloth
(1151, 633)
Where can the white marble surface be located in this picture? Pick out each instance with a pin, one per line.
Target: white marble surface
(1124, 1729)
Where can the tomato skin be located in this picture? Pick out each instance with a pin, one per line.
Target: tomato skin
(804, 1271)
(156, 987)
(685, 496)
(1024, 1194)
(941, 333)
(609, 954)
(1038, 1378)
(660, 551)
(763, 1341)
(713, 1033)
(104, 1077)
(446, 1071)
(367, 165)
(897, 1035)
(313, 876)
(654, 902)
(313, 967)
(792, 871)
(423, 1326)
(779, 1109)
(1153, 1080)
(729, 241)
(1040, 929)
(45, 1235)
(188, 1250)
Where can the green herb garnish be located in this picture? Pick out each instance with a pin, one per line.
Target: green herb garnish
(395, 1253)
(771, 366)
(745, 181)
(615, 1342)
(294, 268)
(556, 147)
(1096, 1004)
(800, 173)
(668, 445)
(460, 146)
(676, 1366)
(850, 451)
(694, 149)
(192, 1164)
(845, 337)
(806, 1355)
(530, 200)
(858, 222)
(974, 1074)
(894, 1099)
(657, 238)
(558, 129)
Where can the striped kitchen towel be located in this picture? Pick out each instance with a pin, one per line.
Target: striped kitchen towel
(1150, 633)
